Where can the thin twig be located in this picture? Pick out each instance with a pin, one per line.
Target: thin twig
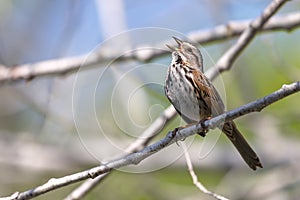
(171, 138)
(69, 65)
(198, 184)
(226, 61)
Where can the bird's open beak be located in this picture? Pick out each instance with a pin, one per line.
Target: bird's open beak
(178, 41)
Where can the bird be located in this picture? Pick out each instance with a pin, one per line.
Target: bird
(196, 99)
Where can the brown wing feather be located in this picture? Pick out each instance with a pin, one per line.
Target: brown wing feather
(210, 94)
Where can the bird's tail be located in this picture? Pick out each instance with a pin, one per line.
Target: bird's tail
(241, 145)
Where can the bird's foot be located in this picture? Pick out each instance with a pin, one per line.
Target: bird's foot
(205, 129)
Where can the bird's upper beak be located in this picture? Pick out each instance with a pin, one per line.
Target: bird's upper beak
(178, 41)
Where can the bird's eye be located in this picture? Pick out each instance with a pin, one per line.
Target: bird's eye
(189, 50)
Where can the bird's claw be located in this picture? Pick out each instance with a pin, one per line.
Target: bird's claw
(205, 129)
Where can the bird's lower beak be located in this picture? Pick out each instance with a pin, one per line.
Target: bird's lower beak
(171, 48)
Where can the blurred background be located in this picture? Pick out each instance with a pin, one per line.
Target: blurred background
(57, 125)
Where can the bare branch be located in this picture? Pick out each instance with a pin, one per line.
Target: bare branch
(226, 61)
(235, 28)
(171, 138)
(68, 65)
(195, 178)
(137, 145)
(86, 187)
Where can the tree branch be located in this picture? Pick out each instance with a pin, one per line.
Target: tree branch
(171, 138)
(198, 184)
(137, 145)
(69, 65)
(287, 22)
(226, 61)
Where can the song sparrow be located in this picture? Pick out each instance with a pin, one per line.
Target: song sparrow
(196, 99)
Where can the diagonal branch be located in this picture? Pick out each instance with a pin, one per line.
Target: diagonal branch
(64, 66)
(226, 61)
(137, 145)
(287, 22)
(171, 138)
